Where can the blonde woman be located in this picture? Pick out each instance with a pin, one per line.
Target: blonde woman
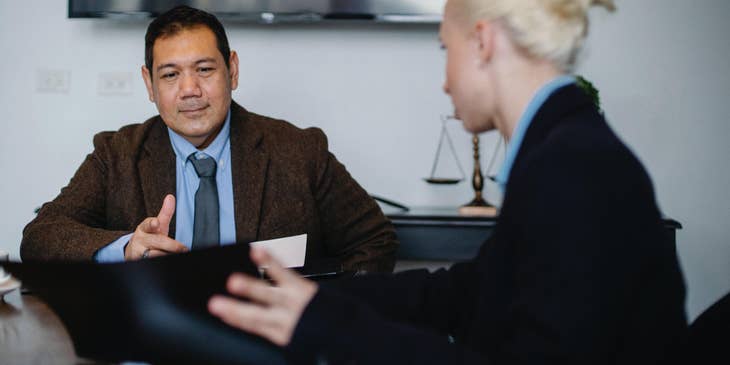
(578, 270)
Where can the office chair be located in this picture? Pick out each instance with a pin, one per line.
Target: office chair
(708, 340)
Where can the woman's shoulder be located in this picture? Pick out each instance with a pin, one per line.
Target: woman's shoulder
(583, 149)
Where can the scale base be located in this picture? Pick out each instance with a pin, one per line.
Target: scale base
(478, 211)
(478, 208)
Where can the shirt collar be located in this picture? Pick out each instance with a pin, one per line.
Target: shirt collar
(183, 148)
(524, 123)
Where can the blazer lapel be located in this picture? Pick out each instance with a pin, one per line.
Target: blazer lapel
(157, 170)
(249, 166)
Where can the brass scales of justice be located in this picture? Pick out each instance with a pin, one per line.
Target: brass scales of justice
(477, 206)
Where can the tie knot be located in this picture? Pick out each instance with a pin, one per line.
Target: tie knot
(205, 166)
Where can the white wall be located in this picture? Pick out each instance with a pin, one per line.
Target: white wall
(661, 67)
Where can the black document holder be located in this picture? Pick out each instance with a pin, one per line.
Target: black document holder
(152, 310)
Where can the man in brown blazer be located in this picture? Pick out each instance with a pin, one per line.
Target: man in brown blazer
(280, 180)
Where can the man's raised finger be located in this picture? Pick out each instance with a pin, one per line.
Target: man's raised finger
(165, 215)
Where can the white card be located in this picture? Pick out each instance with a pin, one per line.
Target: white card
(289, 251)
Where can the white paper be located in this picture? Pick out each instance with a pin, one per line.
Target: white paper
(289, 251)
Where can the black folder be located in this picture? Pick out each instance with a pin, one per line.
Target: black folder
(152, 310)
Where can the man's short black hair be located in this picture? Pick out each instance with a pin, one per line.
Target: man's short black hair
(180, 18)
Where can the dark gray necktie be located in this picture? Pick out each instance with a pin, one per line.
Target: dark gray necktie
(206, 228)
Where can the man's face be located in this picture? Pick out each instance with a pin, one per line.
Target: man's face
(190, 84)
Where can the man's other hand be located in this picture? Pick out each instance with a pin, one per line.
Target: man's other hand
(150, 238)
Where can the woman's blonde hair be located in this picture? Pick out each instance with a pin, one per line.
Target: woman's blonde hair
(546, 29)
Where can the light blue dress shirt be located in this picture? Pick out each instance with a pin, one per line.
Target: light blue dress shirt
(524, 122)
(186, 186)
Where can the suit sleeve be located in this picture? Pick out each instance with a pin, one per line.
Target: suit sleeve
(71, 227)
(403, 318)
(436, 300)
(354, 227)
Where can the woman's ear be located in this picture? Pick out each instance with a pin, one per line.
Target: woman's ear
(484, 34)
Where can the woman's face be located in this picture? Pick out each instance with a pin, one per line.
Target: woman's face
(467, 80)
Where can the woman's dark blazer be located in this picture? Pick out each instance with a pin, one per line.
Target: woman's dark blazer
(578, 270)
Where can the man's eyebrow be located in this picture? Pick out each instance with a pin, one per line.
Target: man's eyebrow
(160, 67)
(202, 60)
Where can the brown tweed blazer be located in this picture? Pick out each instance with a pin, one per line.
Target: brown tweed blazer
(285, 182)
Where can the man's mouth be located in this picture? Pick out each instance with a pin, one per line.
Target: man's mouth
(193, 110)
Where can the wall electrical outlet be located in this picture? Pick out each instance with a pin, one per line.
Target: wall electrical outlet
(53, 81)
(115, 83)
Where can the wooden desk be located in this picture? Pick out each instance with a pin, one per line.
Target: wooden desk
(441, 234)
(30, 333)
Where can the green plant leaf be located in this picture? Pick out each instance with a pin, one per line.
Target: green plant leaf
(589, 89)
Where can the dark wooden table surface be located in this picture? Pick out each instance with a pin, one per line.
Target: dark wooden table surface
(30, 333)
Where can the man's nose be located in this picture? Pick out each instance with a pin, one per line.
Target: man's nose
(445, 87)
(189, 86)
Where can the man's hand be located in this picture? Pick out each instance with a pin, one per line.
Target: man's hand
(274, 311)
(151, 235)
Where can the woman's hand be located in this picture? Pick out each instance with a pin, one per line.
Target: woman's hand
(273, 311)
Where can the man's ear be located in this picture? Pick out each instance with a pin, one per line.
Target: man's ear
(233, 69)
(484, 33)
(147, 77)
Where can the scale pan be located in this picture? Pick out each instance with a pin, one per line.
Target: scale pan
(442, 180)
